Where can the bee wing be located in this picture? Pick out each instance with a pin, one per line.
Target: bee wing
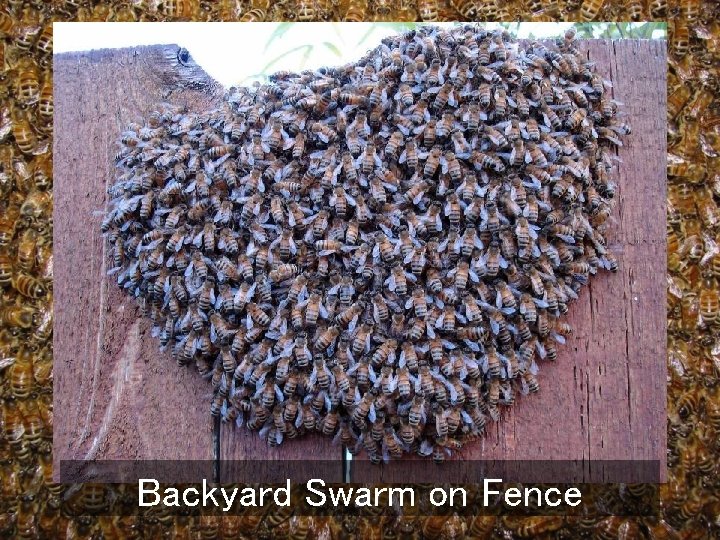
(371, 374)
(444, 164)
(352, 369)
(458, 243)
(453, 394)
(372, 416)
(418, 197)
(7, 361)
(534, 367)
(248, 321)
(353, 324)
(402, 361)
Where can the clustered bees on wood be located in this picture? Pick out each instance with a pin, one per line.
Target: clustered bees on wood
(378, 251)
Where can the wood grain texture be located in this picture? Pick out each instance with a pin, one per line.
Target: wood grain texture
(117, 397)
(604, 398)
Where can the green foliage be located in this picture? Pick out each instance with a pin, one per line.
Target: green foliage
(280, 30)
(398, 27)
(284, 31)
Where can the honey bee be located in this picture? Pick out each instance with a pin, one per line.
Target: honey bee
(27, 82)
(323, 133)
(709, 302)
(444, 95)
(313, 309)
(257, 315)
(29, 286)
(6, 269)
(36, 205)
(20, 374)
(283, 272)
(469, 9)
(385, 353)
(26, 250)
(327, 338)
(409, 155)
(404, 95)
(451, 165)
(18, 316)
(394, 143)
(658, 8)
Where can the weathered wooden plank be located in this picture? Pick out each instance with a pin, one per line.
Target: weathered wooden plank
(117, 396)
(604, 398)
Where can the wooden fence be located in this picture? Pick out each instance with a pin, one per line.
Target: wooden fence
(118, 398)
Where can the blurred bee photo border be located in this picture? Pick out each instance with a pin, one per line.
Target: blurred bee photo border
(280, 263)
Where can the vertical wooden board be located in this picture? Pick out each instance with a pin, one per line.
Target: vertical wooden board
(117, 397)
(247, 458)
(603, 399)
(642, 71)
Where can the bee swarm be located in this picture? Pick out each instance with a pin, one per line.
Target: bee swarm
(377, 251)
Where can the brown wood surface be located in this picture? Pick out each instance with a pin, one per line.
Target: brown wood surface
(604, 398)
(117, 397)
